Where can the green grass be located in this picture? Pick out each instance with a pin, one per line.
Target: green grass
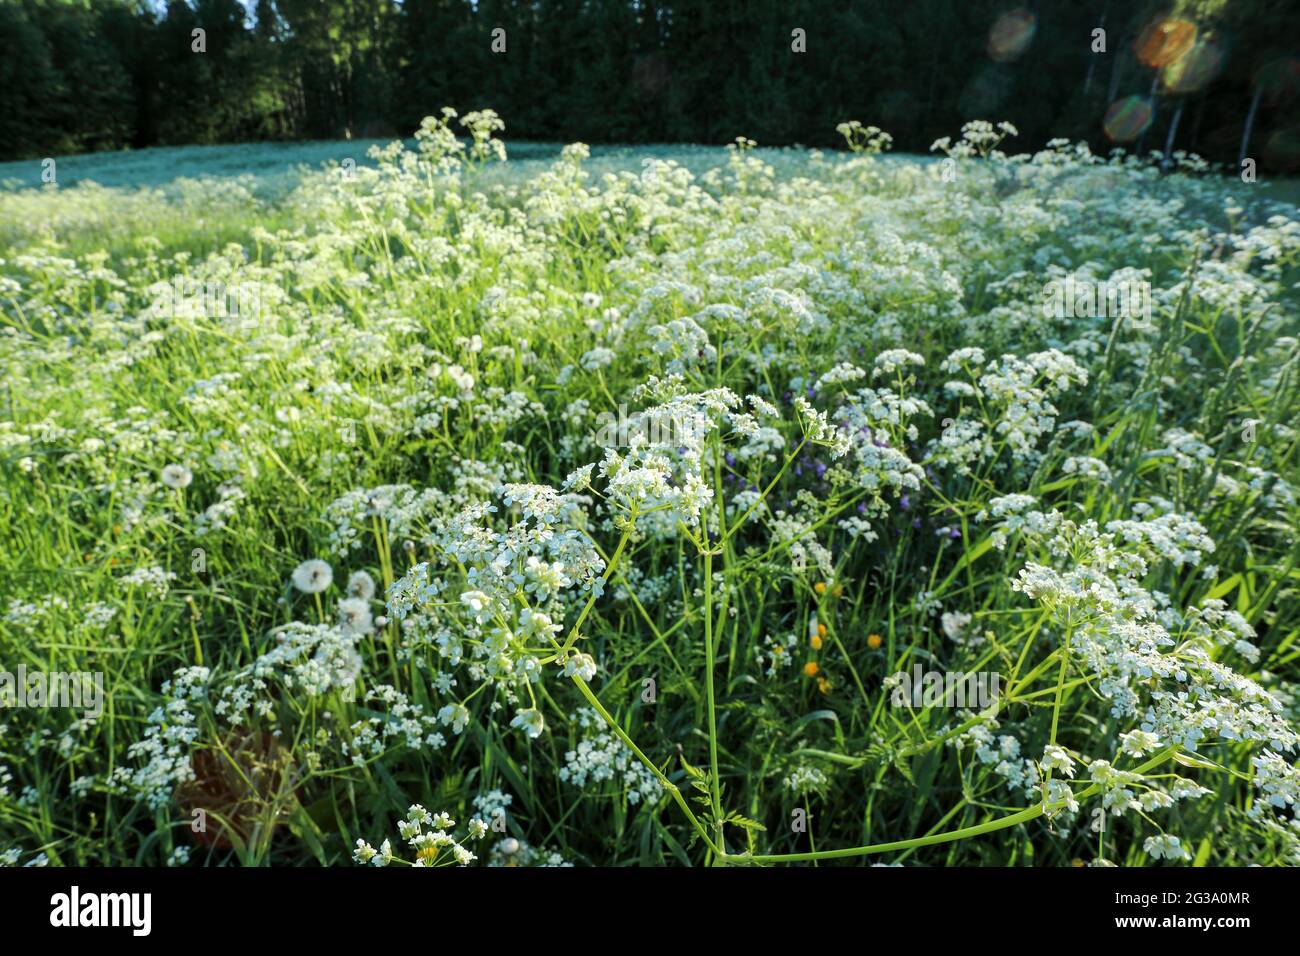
(197, 199)
(744, 587)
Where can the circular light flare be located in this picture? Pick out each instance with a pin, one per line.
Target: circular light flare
(1278, 81)
(1127, 119)
(1197, 69)
(1011, 35)
(1165, 42)
(1282, 150)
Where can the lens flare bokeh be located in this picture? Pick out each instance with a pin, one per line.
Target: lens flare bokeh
(1011, 35)
(1127, 119)
(1282, 151)
(1197, 68)
(1165, 42)
(1278, 80)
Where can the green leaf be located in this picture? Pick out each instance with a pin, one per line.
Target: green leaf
(304, 827)
(745, 822)
(905, 768)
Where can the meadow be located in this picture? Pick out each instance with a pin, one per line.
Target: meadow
(651, 507)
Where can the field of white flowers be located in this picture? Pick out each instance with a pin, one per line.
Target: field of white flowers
(429, 514)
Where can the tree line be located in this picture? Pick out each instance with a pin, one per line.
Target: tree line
(85, 75)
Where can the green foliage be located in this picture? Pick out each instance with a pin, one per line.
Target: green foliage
(898, 458)
(109, 74)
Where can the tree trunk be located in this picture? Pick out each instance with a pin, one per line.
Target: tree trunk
(1250, 123)
(1092, 57)
(1169, 140)
(1115, 72)
(1151, 95)
(1195, 139)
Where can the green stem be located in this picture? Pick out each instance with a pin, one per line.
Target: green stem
(965, 833)
(1060, 684)
(1056, 707)
(650, 764)
(740, 523)
(604, 578)
(714, 785)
